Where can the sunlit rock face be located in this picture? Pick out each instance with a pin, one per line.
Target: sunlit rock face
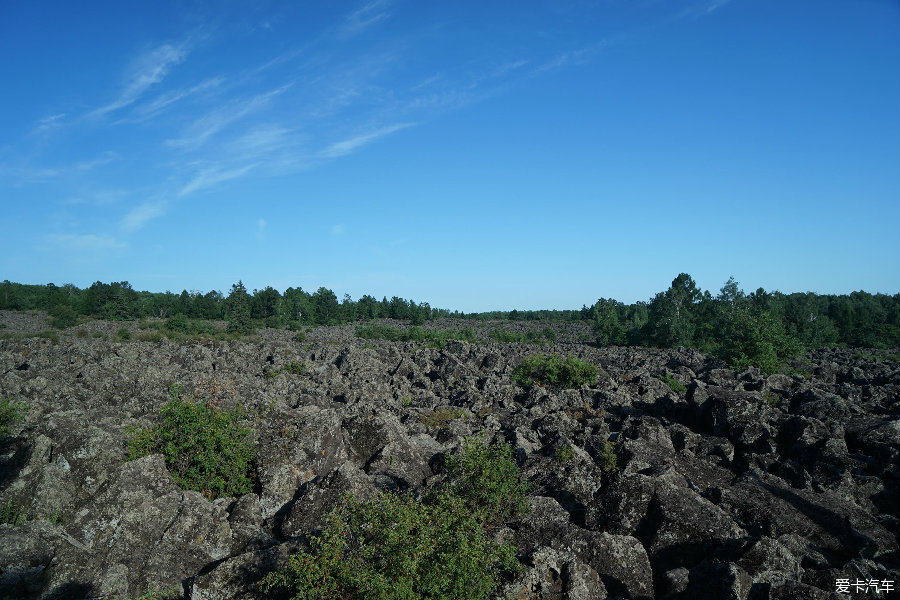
(739, 486)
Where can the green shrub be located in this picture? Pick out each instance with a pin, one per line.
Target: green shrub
(565, 454)
(607, 460)
(756, 339)
(487, 478)
(674, 385)
(123, 334)
(552, 370)
(205, 448)
(12, 514)
(395, 548)
(295, 368)
(10, 414)
(63, 316)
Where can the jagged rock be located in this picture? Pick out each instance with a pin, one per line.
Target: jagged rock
(141, 530)
(320, 496)
(749, 486)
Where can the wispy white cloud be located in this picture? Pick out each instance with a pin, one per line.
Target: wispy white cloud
(156, 106)
(209, 125)
(210, 177)
(98, 198)
(703, 9)
(353, 144)
(141, 214)
(149, 69)
(32, 174)
(366, 16)
(261, 228)
(337, 229)
(48, 124)
(576, 57)
(89, 241)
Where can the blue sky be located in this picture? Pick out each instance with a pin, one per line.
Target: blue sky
(474, 155)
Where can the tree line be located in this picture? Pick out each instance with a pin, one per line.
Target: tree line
(760, 328)
(757, 328)
(118, 301)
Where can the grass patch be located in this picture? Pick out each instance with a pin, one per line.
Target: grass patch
(10, 414)
(398, 548)
(554, 371)
(150, 336)
(49, 335)
(432, 337)
(123, 334)
(12, 513)
(505, 336)
(205, 448)
(440, 417)
(673, 383)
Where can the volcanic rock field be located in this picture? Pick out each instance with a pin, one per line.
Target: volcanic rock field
(740, 486)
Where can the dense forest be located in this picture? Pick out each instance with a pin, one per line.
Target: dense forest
(761, 328)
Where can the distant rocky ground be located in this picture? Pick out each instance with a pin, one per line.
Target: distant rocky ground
(740, 486)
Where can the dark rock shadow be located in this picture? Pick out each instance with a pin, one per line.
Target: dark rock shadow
(14, 454)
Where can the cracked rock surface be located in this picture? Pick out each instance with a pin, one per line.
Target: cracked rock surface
(742, 486)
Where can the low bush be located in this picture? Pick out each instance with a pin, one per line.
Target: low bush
(205, 448)
(547, 334)
(10, 414)
(564, 454)
(398, 548)
(674, 385)
(607, 460)
(487, 478)
(554, 371)
(123, 334)
(436, 338)
(295, 368)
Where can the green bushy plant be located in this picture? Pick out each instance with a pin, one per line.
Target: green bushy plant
(123, 334)
(554, 371)
(205, 448)
(487, 478)
(564, 454)
(607, 460)
(398, 548)
(673, 383)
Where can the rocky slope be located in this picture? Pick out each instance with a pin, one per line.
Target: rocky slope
(740, 486)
